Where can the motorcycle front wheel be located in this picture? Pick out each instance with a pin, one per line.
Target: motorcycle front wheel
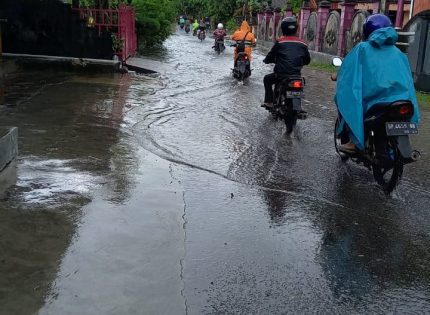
(388, 176)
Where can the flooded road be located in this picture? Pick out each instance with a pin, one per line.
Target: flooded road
(179, 194)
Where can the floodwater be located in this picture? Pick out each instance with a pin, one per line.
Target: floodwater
(178, 194)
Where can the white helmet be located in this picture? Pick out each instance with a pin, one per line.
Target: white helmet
(220, 26)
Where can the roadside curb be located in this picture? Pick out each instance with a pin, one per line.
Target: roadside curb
(8, 146)
(84, 64)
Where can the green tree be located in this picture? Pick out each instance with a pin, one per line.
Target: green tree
(154, 20)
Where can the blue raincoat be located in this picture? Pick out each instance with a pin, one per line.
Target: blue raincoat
(374, 72)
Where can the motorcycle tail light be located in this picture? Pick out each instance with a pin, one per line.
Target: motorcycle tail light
(406, 110)
(296, 84)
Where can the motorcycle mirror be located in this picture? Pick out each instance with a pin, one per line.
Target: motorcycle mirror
(337, 61)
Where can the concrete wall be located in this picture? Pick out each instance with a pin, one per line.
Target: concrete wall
(8, 145)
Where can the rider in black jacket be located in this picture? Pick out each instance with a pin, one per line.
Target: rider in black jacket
(289, 54)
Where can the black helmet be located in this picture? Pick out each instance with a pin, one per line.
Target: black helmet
(289, 26)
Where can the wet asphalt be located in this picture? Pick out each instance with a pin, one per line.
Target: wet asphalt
(178, 194)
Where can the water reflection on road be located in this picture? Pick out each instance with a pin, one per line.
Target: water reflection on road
(180, 194)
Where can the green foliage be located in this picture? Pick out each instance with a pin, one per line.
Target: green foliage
(154, 20)
(232, 26)
(222, 10)
(218, 11)
(296, 5)
(195, 9)
(117, 43)
(255, 6)
(423, 99)
(324, 67)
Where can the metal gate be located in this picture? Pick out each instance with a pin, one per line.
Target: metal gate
(120, 22)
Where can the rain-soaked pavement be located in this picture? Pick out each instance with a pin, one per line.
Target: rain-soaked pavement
(179, 194)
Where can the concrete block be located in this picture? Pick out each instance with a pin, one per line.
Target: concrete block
(8, 145)
(8, 178)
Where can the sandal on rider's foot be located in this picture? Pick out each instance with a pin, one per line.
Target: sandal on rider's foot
(267, 105)
(348, 147)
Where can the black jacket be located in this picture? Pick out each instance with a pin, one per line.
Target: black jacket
(289, 54)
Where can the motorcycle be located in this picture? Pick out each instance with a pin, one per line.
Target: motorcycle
(387, 148)
(287, 104)
(181, 25)
(242, 67)
(219, 46)
(201, 35)
(187, 28)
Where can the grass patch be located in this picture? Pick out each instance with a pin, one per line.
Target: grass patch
(329, 68)
(423, 98)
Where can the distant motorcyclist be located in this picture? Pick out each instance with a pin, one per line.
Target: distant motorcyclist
(219, 33)
(201, 29)
(202, 26)
(195, 27)
(187, 25)
(244, 34)
(289, 54)
(181, 21)
(374, 72)
(208, 23)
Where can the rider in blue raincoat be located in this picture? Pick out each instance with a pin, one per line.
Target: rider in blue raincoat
(374, 72)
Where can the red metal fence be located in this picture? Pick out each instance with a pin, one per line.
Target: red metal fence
(127, 30)
(120, 22)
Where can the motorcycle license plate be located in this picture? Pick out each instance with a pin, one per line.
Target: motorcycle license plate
(401, 128)
(294, 94)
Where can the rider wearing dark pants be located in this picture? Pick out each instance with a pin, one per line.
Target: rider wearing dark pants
(202, 26)
(289, 54)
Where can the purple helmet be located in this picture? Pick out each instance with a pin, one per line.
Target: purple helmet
(375, 22)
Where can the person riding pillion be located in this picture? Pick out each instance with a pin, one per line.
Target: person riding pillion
(289, 54)
(374, 72)
(244, 34)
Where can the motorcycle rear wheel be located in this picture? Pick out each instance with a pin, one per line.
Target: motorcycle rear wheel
(290, 117)
(388, 177)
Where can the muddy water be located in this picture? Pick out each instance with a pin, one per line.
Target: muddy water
(179, 194)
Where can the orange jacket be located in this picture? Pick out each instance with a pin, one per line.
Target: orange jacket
(240, 33)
